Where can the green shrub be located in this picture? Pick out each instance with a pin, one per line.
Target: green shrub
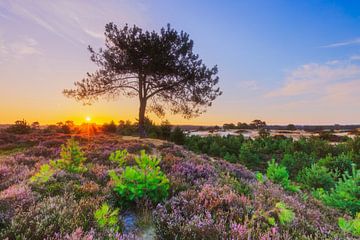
(295, 162)
(118, 157)
(315, 177)
(143, 181)
(341, 164)
(178, 136)
(72, 158)
(44, 174)
(107, 218)
(352, 226)
(345, 195)
(279, 174)
(285, 215)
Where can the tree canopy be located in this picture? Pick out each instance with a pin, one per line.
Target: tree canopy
(158, 68)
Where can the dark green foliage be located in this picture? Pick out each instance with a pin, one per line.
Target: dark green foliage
(341, 164)
(177, 136)
(316, 176)
(296, 161)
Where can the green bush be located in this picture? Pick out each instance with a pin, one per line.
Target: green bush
(341, 164)
(345, 195)
(72, 158)
(143, 181)
(107, 218)
(295, 162)
(352, 226)
(177, 136)
(118, 157)
(279, 174)
(315, 177)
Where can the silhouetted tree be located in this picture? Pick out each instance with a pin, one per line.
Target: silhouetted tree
(158, 68)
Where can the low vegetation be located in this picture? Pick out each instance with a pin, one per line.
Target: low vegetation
(63, 187)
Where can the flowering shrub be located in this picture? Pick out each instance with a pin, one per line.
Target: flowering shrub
(59, 214)
(200, 215)
(145, 180)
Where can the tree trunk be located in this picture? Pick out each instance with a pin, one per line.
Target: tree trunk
(142, 132)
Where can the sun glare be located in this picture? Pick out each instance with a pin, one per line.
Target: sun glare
(88, 119)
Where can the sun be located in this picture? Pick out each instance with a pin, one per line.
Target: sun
(88, 119)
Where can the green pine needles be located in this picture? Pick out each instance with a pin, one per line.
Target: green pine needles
(107, 218)
(143, 181)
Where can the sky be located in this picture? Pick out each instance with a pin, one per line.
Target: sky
(279, 61)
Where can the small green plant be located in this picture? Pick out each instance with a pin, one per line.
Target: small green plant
(118, 157)
(271, 221)
(260, 177)
(286, 215)
(72, 158)
(143, 181)
(44, 174)
(279, 174)
(107, 218)
(352, 226)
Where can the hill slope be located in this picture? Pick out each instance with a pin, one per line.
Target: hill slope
(208, 198)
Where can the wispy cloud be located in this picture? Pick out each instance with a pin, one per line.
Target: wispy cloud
(18, 49)
(355, 41)
(93, 34)
(311, 79)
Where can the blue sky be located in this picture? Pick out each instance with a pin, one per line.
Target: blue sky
(280, 61)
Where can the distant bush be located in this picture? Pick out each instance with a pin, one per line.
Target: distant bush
(109, 127)
(20, 127)
(315, 177)
(177, 136)
(143, 181)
